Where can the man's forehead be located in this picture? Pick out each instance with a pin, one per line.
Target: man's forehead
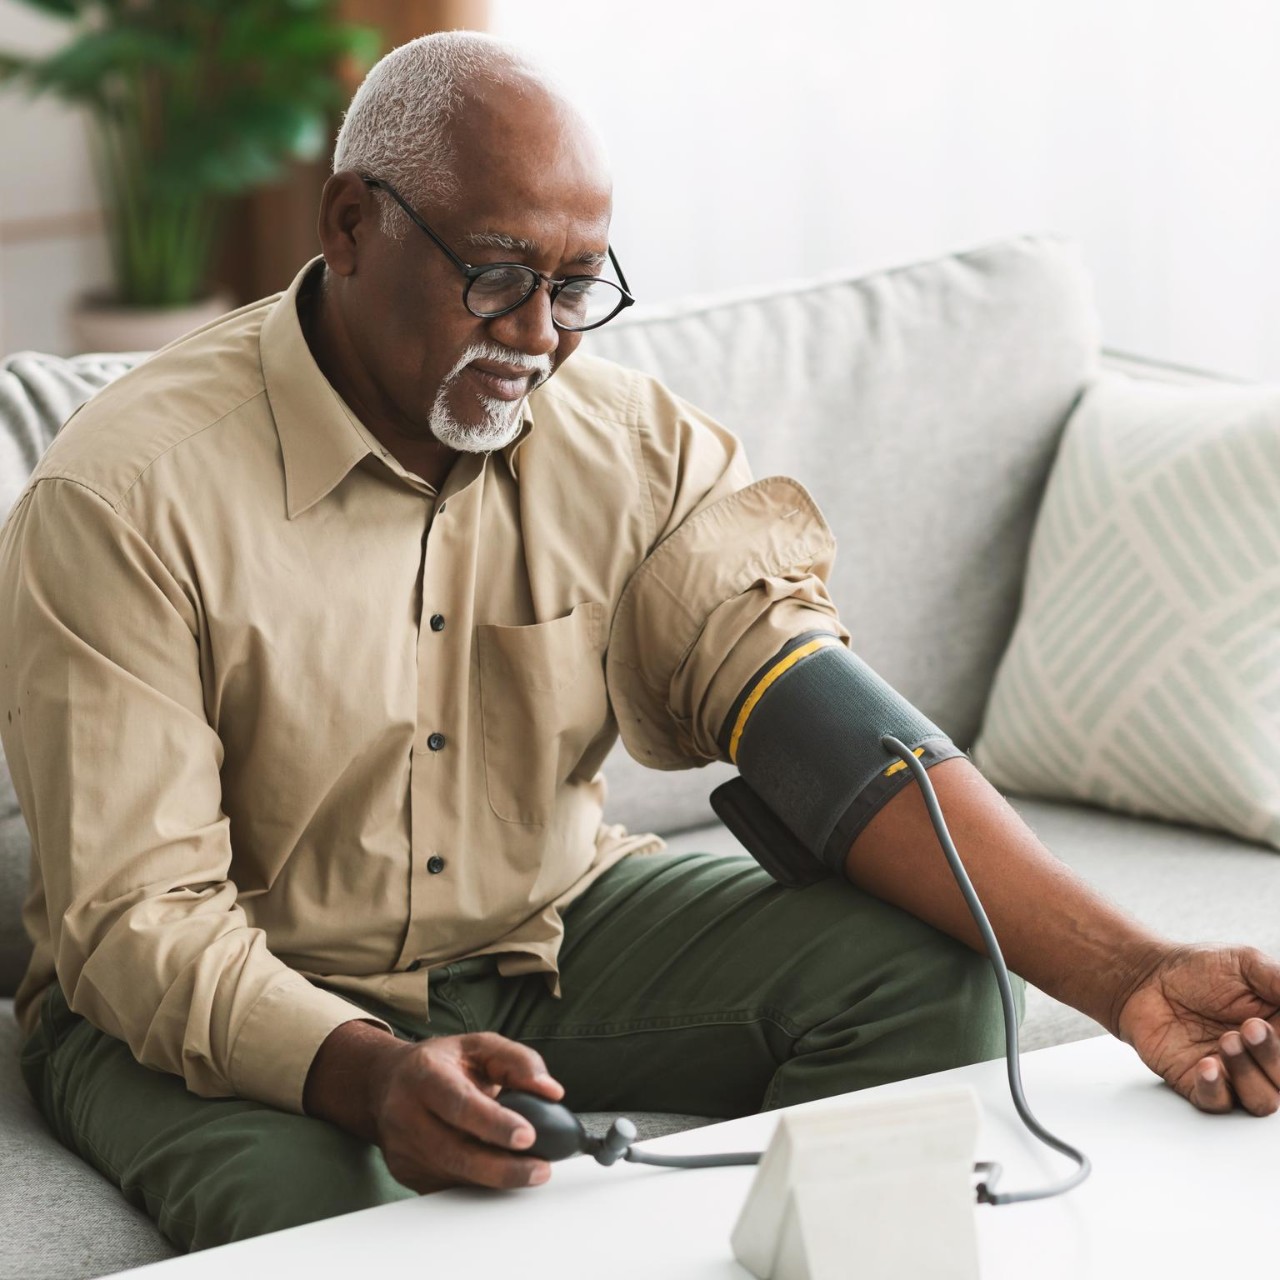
(489, 239)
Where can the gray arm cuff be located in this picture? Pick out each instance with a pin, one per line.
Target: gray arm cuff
(873, 797)
(810, 746)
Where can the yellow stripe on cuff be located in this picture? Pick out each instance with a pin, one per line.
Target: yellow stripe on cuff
(766, 680)
(902, 764)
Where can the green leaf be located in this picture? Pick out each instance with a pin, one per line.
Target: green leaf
(59, 8)
(90, 62)
(303, 45)
(241, 145)
(364, 44)
(194, 100)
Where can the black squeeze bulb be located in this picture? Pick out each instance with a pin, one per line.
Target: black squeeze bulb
(559, 1133)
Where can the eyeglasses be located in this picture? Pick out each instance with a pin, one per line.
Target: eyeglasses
(578, 303)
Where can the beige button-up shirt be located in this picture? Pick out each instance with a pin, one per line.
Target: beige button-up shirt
(279, 714)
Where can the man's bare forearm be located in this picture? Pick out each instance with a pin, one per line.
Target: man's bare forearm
(1053, 929)
(340, 1083)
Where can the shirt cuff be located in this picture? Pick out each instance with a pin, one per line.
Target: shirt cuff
(281, 1036)
(769, 534)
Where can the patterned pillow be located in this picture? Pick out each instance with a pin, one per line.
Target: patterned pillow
(1143, 674)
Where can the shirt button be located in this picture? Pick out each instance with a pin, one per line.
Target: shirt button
(435, 864)
(436, 741)
(437, 622)
(442, 507)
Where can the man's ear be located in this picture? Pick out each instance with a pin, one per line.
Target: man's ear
(349, 214)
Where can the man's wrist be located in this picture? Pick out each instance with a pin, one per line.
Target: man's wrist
(1141, 966)
(1103, 988)
(343, 1083)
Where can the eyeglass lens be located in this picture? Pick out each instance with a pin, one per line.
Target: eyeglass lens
(578, 305)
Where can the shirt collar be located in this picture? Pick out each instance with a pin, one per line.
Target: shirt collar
(318, 443)
(526, 426)
(320, 438)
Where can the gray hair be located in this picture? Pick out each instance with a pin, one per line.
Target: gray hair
(397, 126)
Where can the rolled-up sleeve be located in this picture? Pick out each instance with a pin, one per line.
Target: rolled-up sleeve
(737, 568)
(116, 768)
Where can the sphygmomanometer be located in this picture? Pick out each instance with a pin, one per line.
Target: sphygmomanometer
(811, 733)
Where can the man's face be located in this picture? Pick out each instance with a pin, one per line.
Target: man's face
(533, 190)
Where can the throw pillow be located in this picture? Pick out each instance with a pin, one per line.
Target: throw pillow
(1143, 673)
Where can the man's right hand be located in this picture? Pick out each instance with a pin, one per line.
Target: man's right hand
(430, 1105)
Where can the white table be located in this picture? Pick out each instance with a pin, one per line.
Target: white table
(1173, 1193)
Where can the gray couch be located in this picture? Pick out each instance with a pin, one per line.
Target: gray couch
(922, 407)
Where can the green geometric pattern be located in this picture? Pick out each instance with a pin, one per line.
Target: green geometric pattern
(1143, 675)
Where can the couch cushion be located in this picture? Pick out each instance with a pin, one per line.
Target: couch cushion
(1142, 674)
(1190, 885)
(59, 1219)
(921, 407)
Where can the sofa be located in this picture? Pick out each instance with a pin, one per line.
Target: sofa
(923, 407)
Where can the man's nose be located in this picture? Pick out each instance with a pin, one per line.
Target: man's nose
(528, 329)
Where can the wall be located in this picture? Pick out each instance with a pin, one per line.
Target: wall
(51, 241)
(755, 141)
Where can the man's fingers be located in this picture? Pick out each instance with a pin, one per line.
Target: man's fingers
(1210, 1091)
(511, 1064)
(460, 1103)
(1255, 1089)
(1263, 1045)
(430, 1154)
(437, 1124)
(464, 1159)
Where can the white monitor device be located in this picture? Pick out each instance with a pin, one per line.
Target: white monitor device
(875, 1188)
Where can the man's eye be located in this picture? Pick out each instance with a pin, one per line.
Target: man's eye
(502, 280)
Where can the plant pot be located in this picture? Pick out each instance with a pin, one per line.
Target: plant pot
(97, 325)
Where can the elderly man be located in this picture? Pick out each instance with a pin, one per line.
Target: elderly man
(316, 628)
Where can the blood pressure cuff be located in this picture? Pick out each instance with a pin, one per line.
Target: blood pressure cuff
(805, 734)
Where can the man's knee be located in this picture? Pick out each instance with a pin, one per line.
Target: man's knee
(896, 998)
(941, 1007)
(959, 990)
(207, 1170)
(266, 1170)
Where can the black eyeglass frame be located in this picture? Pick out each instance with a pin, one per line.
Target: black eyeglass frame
(473, 273)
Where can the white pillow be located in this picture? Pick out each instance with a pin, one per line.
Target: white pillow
(1143, 674)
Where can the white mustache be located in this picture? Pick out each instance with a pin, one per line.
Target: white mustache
(538, 366)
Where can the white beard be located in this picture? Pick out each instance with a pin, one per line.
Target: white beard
(501, 422)
(499, 429)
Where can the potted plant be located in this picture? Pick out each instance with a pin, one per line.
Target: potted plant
(192, 102)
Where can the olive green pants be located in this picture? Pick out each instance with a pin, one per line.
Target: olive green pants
(691, 983)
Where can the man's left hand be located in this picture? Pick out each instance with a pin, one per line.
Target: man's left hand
(1206, 1020)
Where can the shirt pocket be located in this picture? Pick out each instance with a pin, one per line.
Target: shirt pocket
(542, 701)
